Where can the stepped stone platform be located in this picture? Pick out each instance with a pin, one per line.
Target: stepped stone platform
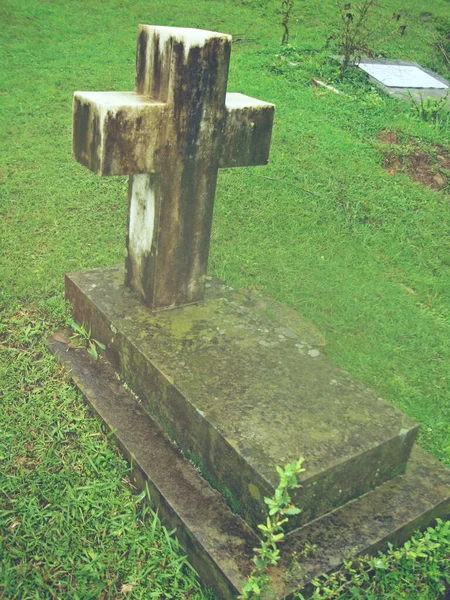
(219, 543)
(220, 394)
(240, 391)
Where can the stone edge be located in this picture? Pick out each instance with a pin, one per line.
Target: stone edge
(219, 544)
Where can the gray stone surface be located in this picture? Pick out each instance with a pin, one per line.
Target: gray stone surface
(220, 545)
(171, 136)
(402, 76)
(242, 392)
(410, 94)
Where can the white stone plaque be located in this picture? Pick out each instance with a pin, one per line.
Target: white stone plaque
(402, 76)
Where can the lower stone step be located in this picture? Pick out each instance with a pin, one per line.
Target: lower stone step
(219, 543)
(242, 389)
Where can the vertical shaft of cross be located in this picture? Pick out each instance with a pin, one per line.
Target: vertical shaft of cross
(170, 212)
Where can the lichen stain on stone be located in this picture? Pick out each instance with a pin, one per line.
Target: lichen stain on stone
(141, 60)
(188, 169)
(86, 135)
(261, 136)
(254, 491)
(152, 65)
(81, 127)
(120, 143)
(181, 327)
(247, 135)
(155, 89)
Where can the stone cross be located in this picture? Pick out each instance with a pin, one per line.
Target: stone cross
(171, 136)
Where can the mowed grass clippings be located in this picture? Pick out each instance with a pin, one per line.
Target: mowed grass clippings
(325, 227)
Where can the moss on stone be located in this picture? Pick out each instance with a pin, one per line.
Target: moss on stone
(241, 393)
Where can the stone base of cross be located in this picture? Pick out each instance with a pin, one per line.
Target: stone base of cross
(171, 136)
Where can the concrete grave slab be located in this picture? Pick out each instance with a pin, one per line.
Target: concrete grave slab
(402, 76)
(242, 392)
(219, 543)
(405, 80)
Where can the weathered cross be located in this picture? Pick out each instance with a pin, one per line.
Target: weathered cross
(170, 136)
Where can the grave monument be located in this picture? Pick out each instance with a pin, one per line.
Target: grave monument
(224, 386)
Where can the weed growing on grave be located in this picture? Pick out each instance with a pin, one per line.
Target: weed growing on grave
(418, 570)
(83, 338)
(431, 109)
(280, 508)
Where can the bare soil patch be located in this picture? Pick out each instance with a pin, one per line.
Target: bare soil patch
(428, 164)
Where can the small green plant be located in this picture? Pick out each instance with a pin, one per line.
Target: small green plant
(422, 563)
(441, 41)
(286, 10)
(83, 338)
(268, 554)
(361, 30)
(430, 109)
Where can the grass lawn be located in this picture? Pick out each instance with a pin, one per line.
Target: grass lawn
(335, 226)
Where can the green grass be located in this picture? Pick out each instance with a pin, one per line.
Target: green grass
(70, 524)
(363, 254)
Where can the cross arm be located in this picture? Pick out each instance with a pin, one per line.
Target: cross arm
(117, 133)
(247, 132)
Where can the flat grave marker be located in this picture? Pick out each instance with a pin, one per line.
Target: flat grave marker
(402, 76)
(405, 79)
